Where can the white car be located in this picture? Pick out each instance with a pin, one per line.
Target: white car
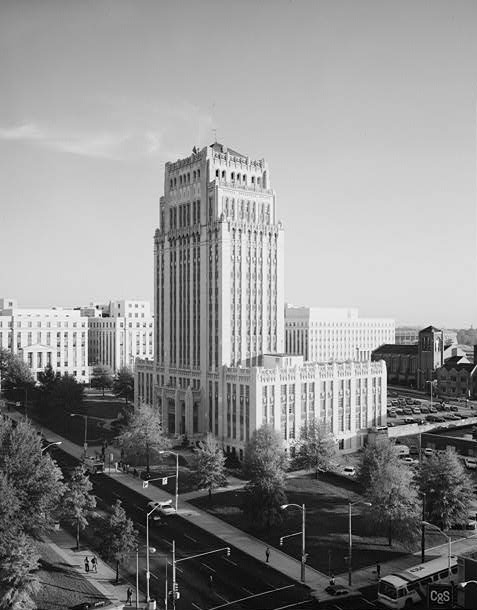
(164, 508)
(349, 471)
(411, 461)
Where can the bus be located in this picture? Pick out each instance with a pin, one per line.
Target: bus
(403, 589)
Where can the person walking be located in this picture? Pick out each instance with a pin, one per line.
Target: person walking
(332, 579)
(378, 569)
(86, 564)
(267, 554)
(94, 564)
(129, 596)
(211, 581)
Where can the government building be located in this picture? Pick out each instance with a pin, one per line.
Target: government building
(220, 360)
(55, 336)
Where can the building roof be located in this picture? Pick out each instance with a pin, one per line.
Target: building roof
(432, 329)
(221, 148)
(391, 348)
(455, 362)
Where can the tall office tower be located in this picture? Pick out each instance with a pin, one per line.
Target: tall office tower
(218, 281)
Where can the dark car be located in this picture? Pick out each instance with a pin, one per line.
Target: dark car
(336, 590)
(409, 420)
(425, 410)
(454, 408)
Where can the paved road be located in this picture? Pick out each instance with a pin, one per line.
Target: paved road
(234, 577)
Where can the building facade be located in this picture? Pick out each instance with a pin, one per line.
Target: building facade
(219, 316)
(41, 337)
(124, 332)
(409, 335)
(323, 334)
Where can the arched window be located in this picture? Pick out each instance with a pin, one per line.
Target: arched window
(223, 174)
(216, 173)
(175, 181)
(188, 178)
(253, 179)
(180, 180)
(193, 176)
(232, 176)
(198, 173)
(171, 183)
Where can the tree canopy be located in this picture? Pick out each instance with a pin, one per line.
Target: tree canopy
(447, 487)
(316, 447)
(78, 501)
(210, 464)
(123, 384)
(264, 464)
(118, 537)
(67, 394)
(14, 371)
(102, 377)
(144, 432)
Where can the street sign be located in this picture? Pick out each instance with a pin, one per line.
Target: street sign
(164, 481)
(145, 484)
(439, 597)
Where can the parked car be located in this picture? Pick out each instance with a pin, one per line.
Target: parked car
(349, 471)
(399, 411)
(432, 418)
(417, 402)
(439, 418)
(392, 414)
(416, 410)
(407, 411)
(428, 451)
(411, 461)
(454, 408)
(452, 417)
(425, 410)
(336, 590)
(164, 508)
(470, 463)
(432, 410)
(409, 420)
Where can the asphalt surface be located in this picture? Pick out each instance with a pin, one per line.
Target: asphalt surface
(234, 577)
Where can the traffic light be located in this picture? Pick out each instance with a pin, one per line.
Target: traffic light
(281, 541)
(228, 551)
(175, 590)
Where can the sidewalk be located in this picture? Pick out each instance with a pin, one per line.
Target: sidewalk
(280, 561)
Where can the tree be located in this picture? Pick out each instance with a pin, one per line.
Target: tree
(47, 379)
(264, 464)
(67, 393)
(78, 501)
(123, 384)
(35, 478)
(210, 465)
(144, 432)
(15, 372)
(391, 491)
(102, 377)
(119, 537)
(316, 447)
(447, 487)
(18, 564)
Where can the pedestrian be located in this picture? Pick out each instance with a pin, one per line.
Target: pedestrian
(129, 598)
(211, 581)
(94, 564)
(378, 569)
(332, 579)
(267, 553)
(86, 564)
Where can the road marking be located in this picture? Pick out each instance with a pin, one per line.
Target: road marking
(190, 538)
(267, 583)
(230, 561)
(305, 601)
(139, 508)
(208, 567)
(168, 542)
(222, 597)
(247, 590)
(196, 606)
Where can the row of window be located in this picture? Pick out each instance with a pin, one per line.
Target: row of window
(184, 179)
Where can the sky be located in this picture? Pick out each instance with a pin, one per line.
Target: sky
(364, 110)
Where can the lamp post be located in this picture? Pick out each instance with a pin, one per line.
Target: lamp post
(177, 471)
(147, 550)
(350, 536)
(50, 444)
(431, 384)
(303, 552)
(423, 525)
(449, 541)
(85, 445)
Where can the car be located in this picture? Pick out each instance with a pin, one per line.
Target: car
(349, 471)
(431, 418)
(416, 410)
(454, 408)
(439, 418)
(470, 524)
(336, 590)
(444, 407)
(428, 451)
(398, 411)
(409, 420)
(417, 402)
(425, 410)
(432, 410)
(409, 401)
(164, 507)
(452, 417)
(470, 463)
(407, 411)
(411, 461)
(392, 414)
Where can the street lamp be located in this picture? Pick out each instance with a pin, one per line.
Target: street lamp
(449, 541)
(177, 471)
(303, 552)
(85, 445)
(147, 550)
(50, 444)
(350, 536)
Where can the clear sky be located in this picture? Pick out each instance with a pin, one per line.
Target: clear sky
(365, 111)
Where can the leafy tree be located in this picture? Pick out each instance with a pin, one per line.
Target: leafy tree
(316, 447)
(264, 464)
(15, 373)
(67, 393)
(47, 379)
(123, 384)
(34, 477)
(102, 377)
(18, 564)
(119, 537)
(447, 487)
(374, 459)
(144, 432)
(78, 501)
(210, 465)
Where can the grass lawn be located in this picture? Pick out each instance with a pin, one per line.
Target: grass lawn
(61, 586)
(326, 503)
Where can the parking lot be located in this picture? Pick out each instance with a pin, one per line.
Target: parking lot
(417, 410)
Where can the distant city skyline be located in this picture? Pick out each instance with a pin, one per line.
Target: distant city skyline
(365, 113)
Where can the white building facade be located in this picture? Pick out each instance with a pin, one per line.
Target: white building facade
(124, 332)
(324, 334)
(41, 337)
(219, 316)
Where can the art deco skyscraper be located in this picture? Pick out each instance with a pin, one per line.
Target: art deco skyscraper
(218, 281)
